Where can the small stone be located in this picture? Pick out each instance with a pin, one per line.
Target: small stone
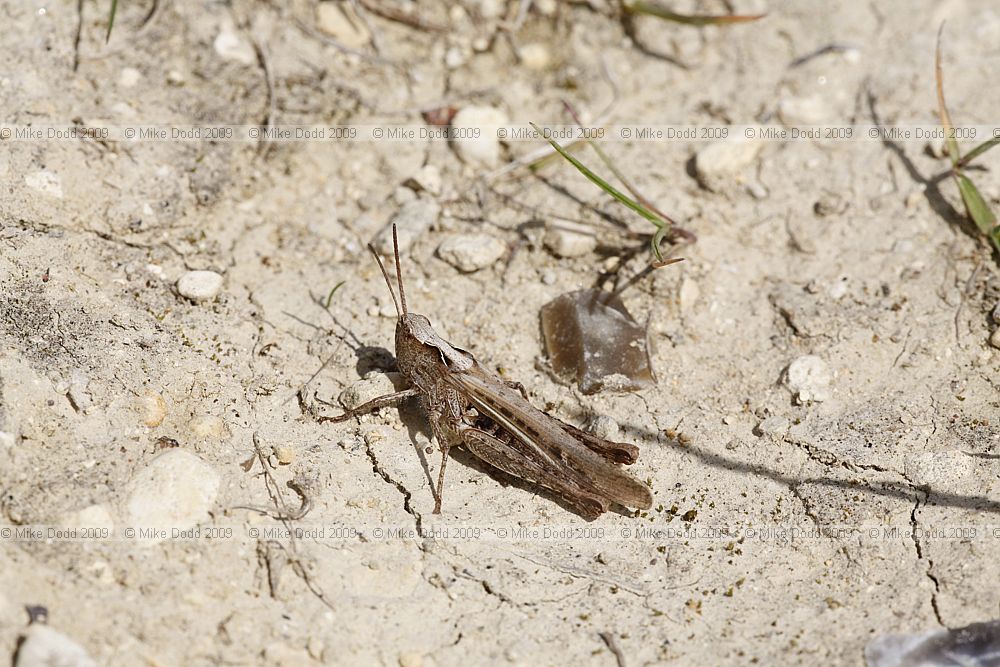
(491, 9)
(43, 646)
(176, 78)
(839, 289)
(688, 294)
(949, 470)
(373, 386)
(757, 190)
(315, 646)
(154, 409)
(283, 655)
(78, 393)
(568, 239)
(200, 285)
(46, 182)
(716, 164)
(471, 252)
(285, 454)
(231, 46)
(995, 313)
(475, 131)
(7, 440)
(590, 337)
(339, 20)
(535, 56)
(605, 427)
(428, 179)
(774, 425)
(403, 195)
(454, 58)
(93, 516)
(995, 339)
(808, 378)
(810, 110)
(411, 222)
(207, 427)
(175, 491)
(411, 659)
(549, 278)
(128, 77)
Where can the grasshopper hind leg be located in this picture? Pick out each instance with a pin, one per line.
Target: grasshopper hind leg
(502, 456)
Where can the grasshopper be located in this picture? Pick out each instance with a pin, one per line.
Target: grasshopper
(491, 417)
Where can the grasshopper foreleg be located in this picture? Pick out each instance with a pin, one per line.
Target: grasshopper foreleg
(372, 405)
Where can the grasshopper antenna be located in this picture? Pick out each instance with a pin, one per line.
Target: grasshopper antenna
(385, 274)
(399, 275)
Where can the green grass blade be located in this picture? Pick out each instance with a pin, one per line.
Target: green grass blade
(943, 114)
(329, 297)
(548, 159)
(111, 20)
(977, 151)
(979, 210)
(611, 190)
(659, 11)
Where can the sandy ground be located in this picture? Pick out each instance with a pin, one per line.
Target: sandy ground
(121, 399)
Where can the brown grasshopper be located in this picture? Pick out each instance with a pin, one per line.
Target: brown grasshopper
(469, 405)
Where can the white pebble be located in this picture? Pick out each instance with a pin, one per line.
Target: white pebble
(128, 77)
(79, 393)
(535, 56)
(428, 178)
(480, 146)
(412, 220)
(810, 110)
(373, 386)
(42, 646)
(839, 289)
(284, 454)
(471, 252)
(176, 490)
(773, 426)
(231, 46)
(716, 163)
(46, 182)
(207, 427)
(339, 20)
(688, 294)
(454, 58)
(995, 339)
(411, 659)
(809, 377)
(93, 516)
(154, 409)
(200, 285)
(567, 239)
(949, 470)
(605, 427)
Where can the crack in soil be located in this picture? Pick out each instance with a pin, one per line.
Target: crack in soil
(921, 498)
(407, 496)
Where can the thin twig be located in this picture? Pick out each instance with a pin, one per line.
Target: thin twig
(392, 14)
(612, 644)
(265, 142)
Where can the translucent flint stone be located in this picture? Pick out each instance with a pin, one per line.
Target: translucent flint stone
(591, 338)
(976, 645)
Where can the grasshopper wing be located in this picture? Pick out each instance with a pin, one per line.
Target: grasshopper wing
(546, 441)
